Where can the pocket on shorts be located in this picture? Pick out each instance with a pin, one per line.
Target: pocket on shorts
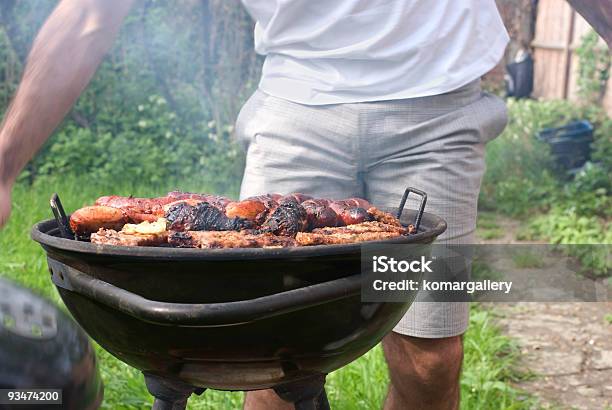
(492, 115)
(243, 131)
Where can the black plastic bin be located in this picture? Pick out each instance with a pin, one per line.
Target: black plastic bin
(570, 144)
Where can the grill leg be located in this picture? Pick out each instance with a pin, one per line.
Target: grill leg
(169, 394)
(308, 394)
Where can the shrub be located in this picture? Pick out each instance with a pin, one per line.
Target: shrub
(148, 144)
(521, 176)
(567, 227)
(519, 173)
(593, 68)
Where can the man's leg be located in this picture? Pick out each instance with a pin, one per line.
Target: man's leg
(435, 144)
(295, 148)
(265, 400)
(429, 379)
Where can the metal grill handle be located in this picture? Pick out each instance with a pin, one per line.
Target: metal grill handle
(202, 314)
(419, 216)
(60, 217)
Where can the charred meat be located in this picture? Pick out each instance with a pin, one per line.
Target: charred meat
(287, 219)
(202, 217)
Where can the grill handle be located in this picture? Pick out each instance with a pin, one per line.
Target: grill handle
(202, 315)
(419, 215)
(60, 217)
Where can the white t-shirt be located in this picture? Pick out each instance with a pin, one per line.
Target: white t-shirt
(339, 51)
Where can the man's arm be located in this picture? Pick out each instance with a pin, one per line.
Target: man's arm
(599, 15)
(64, 57)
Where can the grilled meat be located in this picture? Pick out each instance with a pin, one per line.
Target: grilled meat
(310, 239)
(349, 214)
(192, 202)
(202, 217)
(112, 237)
(370, 226)
(87, 220)
(319, 214)
(146, 228)
(299, 198)
(287, 219)
(135, 205)
(365, 231)
(215, 200)
(229, 239)
(264, 220)
(384, 217)
(353, 202)
(155, 234)
(267, 197)
(251, 209)
(155, 206)
(257, 208)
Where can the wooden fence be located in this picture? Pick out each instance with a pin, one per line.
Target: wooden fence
(558, 32)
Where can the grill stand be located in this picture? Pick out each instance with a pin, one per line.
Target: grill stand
(169, 394)
(307, 394)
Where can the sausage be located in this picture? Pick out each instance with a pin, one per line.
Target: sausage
(250, 209)
(319, 214)
(88, 220)
(349, 213)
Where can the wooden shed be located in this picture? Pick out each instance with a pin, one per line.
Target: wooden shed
(558, 32)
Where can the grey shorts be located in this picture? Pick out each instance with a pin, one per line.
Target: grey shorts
(374, 150)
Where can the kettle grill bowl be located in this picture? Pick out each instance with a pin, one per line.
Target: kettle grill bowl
(248, 350)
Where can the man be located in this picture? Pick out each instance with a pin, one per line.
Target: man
(357, 98)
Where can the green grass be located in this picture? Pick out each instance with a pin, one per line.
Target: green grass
(489, 356)
(487, 227)
(527, 259)
(482, 271)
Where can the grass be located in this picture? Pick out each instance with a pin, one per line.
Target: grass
(487, 227)
(527, 260)
(489, 356)
(482, 271)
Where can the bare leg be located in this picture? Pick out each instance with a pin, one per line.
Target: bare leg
(265, 400)
(424, 372)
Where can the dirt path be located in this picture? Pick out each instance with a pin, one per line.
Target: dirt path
(567, 346)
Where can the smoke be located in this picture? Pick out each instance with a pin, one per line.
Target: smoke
(198, 53)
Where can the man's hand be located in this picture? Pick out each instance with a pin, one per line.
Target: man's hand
(5, 204)
(64, 57)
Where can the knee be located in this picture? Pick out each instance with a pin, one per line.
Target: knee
(430, 364)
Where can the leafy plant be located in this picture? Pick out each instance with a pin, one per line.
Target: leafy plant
(527, 260)
(520, 171)
(593, 69)
(566, 227)
(150, 143)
